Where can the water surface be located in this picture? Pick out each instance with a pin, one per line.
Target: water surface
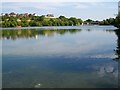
(64, 57)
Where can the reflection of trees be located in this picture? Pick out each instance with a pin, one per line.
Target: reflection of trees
(117, 32)
(117, 51)
(14, 34)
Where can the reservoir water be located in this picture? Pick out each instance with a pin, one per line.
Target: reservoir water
(60, 57)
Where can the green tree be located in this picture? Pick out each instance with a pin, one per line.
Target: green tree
(41, 18)
(62, 17)
(89, 20)
(74, 20)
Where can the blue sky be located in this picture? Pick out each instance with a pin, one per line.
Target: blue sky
(94, 10)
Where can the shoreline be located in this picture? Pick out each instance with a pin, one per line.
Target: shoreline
(58, 27)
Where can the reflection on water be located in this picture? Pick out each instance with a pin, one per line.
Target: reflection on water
(117, 32)
(70, 58)
(14, 34)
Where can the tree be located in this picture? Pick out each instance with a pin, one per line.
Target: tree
(70, 23)
(41, 18)
(74, 20)
(62, 17)
(38, 21)
(32, 23)
(89, 20)
(80, 21)
(117, 22)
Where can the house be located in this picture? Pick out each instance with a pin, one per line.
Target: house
(91, 23)
(12, 14)
(2, 14)
(26, 15)
(94, 23)
(6, 14)
(49, 16)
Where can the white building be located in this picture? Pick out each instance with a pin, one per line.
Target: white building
(119, 7)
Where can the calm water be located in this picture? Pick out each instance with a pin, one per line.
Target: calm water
(61, 57)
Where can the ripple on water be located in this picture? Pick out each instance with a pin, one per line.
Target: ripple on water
(38, 85)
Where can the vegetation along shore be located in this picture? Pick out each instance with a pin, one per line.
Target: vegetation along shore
(31, 20)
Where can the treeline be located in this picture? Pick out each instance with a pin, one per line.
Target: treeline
(12, 21)
(117, 22)
(110, 21)
(27, 21)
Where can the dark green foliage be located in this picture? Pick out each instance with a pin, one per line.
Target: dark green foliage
(117, 21)
(117, 51)
(110, 21)
(74, 20)
(62, 17)
(39, 21)
(88, 20)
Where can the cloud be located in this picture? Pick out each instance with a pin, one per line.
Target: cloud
(60, 0)
(29, 7)
(84, 5)
(52, 6)
(80, 5)
(16, 5)
(68, 9)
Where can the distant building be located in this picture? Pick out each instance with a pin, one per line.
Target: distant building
(26, 15)
(91, 23)
(12, 14)
(2, 14)
(6, 14)
(94, 23)
(119, 7)
(49, 16)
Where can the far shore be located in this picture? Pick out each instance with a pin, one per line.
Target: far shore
(57, 27)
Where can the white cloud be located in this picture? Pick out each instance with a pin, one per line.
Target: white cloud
(80, 5)
(60, 1)
(28, 6)
(77, 9)
(87, 5)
